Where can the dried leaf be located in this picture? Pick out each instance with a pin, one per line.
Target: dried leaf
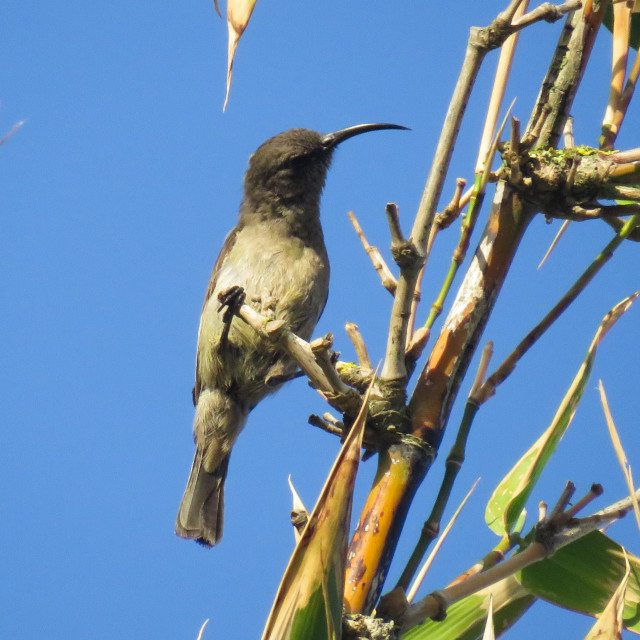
(611, 622)
(621, 455)
(429, 561)
(308, 604)
(298, 512)
(204, 624)
(238, 16)
(489, 633)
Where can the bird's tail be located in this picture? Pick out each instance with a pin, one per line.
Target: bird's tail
(201, 512)
(218, 421)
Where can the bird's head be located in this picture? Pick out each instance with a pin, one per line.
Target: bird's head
(289, 170)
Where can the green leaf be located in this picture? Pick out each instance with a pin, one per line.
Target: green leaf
(584, 575)
(510, 496)
(467, 618)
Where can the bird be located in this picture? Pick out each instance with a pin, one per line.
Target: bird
(275, 259)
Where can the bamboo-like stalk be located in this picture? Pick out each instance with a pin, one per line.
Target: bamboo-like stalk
(481, 41)
(417, 340)
(498, 91)
(431, 527)
(469, 223)
(621, 31)
(403, 465)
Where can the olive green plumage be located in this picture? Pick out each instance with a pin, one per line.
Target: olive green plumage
(276, 253)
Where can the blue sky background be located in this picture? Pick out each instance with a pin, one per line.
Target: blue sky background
(116, 196)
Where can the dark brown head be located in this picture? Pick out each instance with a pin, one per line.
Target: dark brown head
(290, 168)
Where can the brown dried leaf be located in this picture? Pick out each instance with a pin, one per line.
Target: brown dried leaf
(238, 16)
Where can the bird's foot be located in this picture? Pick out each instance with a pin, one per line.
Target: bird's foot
(231, 300)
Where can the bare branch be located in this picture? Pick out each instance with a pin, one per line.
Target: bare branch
(507, 52)
(317, 421)
(387, 278)
(548, 12)
(9, 135)
(358, 344)
(567, 134)
(410, 261)
(505, 369)
(277, 332)
(550, 535)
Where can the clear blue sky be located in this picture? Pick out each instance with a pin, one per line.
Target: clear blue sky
(116, 196)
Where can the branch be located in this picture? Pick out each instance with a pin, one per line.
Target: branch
(402, 467)
(505, 369)
(358, 344)
(387, 278)
(410, 261)
(547, 12)
(431, 527)
(277, 332)
(548, 535)
(481, 41)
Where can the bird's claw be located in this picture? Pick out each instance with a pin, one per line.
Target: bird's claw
(232, 298)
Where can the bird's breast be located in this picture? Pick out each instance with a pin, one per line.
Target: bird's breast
(283, 278)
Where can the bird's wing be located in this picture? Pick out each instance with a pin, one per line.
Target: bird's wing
(224, 252)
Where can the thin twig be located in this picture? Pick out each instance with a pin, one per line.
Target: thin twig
(507, 52)
(621, 31)
(485, 359)
(501, 373)
(552, 246)
(567, 134)
(296, 347)
(542, 511)
(547, 12)
(629, 90)
(595, 491)
(410, 261)
(358, 344)
(623, 157)
(8, 135)
(387, 278)
(417, 340)
(563, 500)
(317, 421)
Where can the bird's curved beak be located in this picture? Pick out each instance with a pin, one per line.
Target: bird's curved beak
(332, 140)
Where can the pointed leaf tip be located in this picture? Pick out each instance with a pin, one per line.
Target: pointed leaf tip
(238, 16)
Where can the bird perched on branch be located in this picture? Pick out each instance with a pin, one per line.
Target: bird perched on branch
(276, 254)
